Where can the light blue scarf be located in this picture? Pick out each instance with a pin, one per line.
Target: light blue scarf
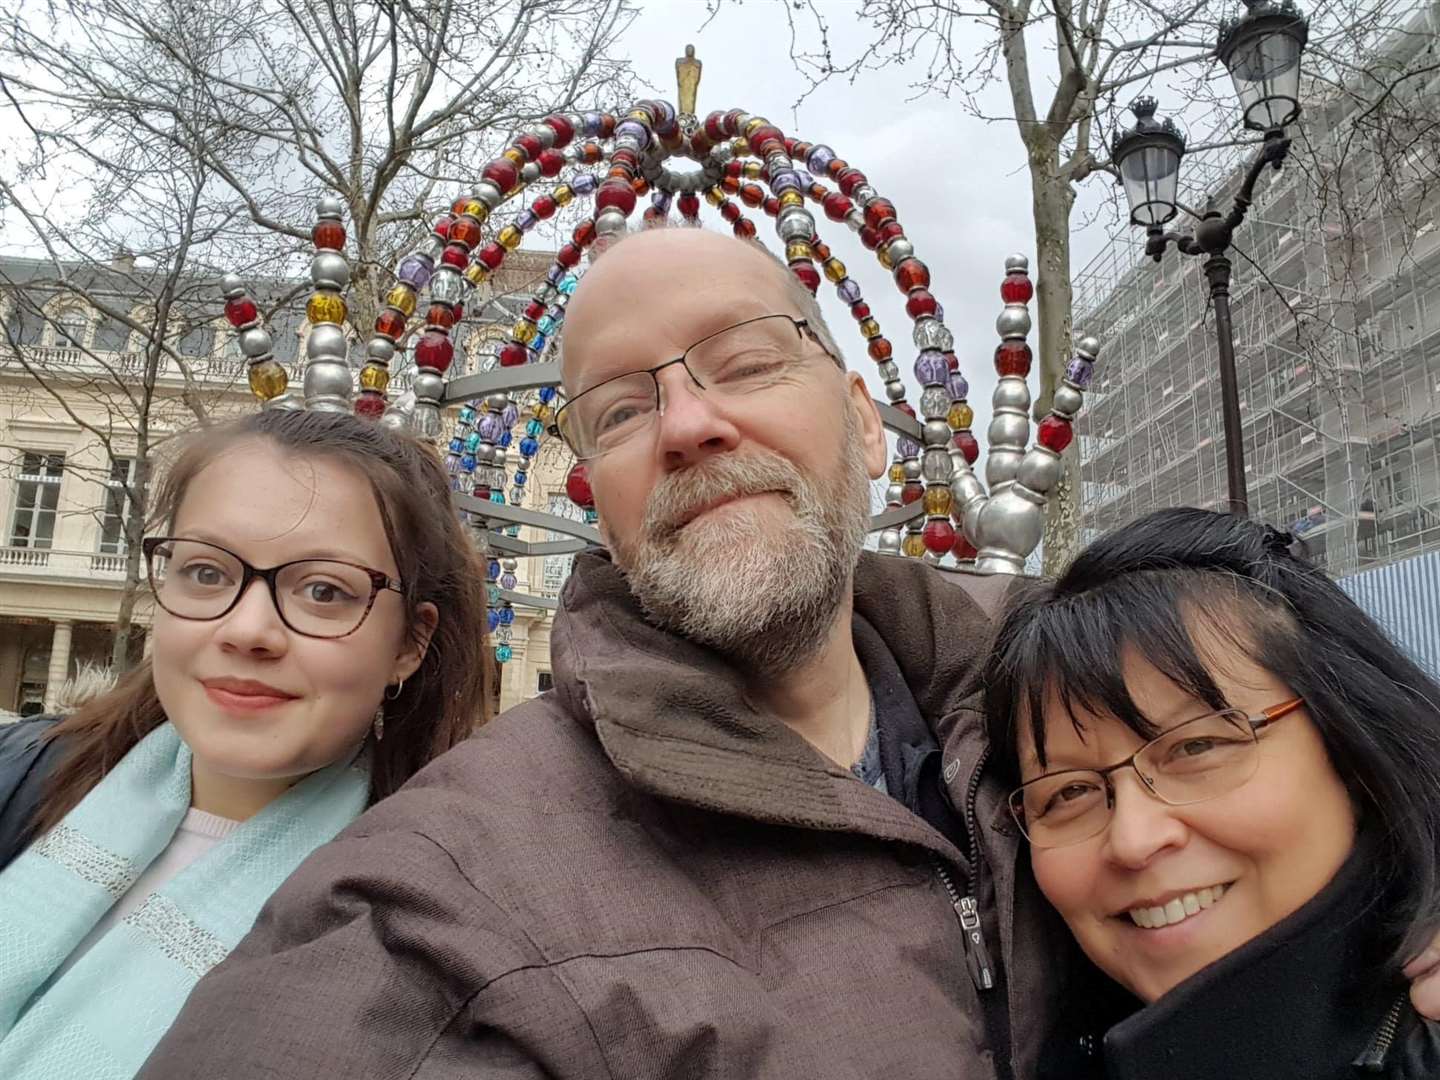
(101, 1019)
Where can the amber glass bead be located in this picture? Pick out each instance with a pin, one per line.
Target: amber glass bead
(390, 324)
(458, 206)
(544, 413)
(741, 147)
(326, 308)
(510, 238)
(870, 328)
(835, 271)
(267, 379)
(374, 377)
(563, 194)
(465, 230)
(730, 185)
(402, 298)
(897, 473)
(884, 256)
(328, 235)
(791, 198)
(640, 186)
(913, 545)
(937, 501)
(513, 155)
(524, 331)
(797, 249)
(961, 416)
(714, 196)
(754, 170)
(821, 249)
(476, 273)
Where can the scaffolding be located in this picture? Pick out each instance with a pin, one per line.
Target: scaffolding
(1337, 336)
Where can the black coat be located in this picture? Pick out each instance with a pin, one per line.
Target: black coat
(26, 762)
(1316, 997)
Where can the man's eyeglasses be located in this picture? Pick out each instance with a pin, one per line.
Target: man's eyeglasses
(750, 356)
(1197, 760)
(319, 598)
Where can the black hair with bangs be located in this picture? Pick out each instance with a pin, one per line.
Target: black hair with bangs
(1142, 590)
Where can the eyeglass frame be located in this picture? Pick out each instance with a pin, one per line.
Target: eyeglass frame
(802, 327)
(1257, 721)
(379, 582)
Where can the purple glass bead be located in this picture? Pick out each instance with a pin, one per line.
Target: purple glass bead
(509, 416)
(661, 201)
(490, 427)
(1079, 372)
(939, 311)
(805, 178)
(415, 271)
(555, 274)
(849, 290)
(635, 130)
(592, 122)
(507, 581)
(958, 386)
(584, 184)
(527, 220)
(931, 368)
(820, 158)
(556, 313)
(784, 180)
(907, 447)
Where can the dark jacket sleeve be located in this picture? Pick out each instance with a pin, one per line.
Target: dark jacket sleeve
(26, 760)
(380, 958)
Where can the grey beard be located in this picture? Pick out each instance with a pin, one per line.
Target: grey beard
(766, 599)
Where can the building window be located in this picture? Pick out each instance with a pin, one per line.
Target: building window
(112, 528)
(24, 326)
(37, 494)
(546, 681)
(556, 568)
(71, 328)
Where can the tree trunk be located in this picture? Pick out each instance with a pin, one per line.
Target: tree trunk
(121, 653)
(1052, 199)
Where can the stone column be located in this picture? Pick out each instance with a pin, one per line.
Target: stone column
(59, 663)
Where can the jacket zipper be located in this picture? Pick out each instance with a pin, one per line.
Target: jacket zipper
(1373, 1058)
(967, 907)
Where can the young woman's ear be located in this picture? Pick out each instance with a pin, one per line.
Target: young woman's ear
(417, 642)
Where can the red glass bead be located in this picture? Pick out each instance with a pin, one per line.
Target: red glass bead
(568, 256)
(772, 206)
(529, 145)
(533, 310)
(491, 255)
(1055, 433)
(652, 216)
(870, 238)
(732, 121)
(455, 255)
(880, 349)
(730, 185)
(889, 231)
(851, 179)
(442, 226)
(715, 126)
(920, 303)
(577, 486)
(806, 272)
(465, 230)
(836, 206)
(441, 315)
(792, 147)
(584, 234)
(752, 195)
(563, 131)
(550, 162)
(458, 206)
(1013, 358)
(617, 194)
(766, 138)
(544, 207)
(730, 211)
(502, 173)
(1017, 289)
(819, 249)
(369, 405)
(912, 274)
(481, 491)
(434, 350)
(607, 125)
(879, 211)
(689, 205)
(912, 490)
(964, 551)
(939, 536)
(390, 324)
(967, 444)
(860, 309)
(745, 229)
(241, 311)
(513, 354)
(836, 167)
(734, 167)
(700, 144)
(952, 361)
(329, 235)
(459, 312)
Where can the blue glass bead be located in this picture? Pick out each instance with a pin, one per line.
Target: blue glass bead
(537, 346)
(467, 462)
(529, 446)
(547, 394)
(534, 428)
(502, 654)
(467, 414)
(849, 290)
(931, 368)
(907, 447)
(1080, 371)
(568, 283)
(490, 427)
(591, 123)
(526, 220)
(472, 441)
(507, 616)
(415, 270)
(520, 478)
(505, 438)
(583, 184)
(820, 158)
(492, 595)
(512, 530)
(592, 516)
(507, 581)
(492, 619)
(492, 569)
(958, 386)
(457, 444)
(545, 324)
(497, 497)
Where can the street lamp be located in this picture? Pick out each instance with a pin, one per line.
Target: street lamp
(1261, 50)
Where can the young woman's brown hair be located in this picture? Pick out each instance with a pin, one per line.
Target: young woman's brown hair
(437, 707)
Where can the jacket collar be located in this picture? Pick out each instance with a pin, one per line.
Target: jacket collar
(675, 718)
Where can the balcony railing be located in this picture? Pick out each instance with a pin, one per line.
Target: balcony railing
(50, 562)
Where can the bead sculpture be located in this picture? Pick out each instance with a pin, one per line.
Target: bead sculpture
(267, 378)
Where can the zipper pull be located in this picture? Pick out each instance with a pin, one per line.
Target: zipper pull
(977, 956)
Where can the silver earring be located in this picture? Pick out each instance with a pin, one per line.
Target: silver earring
(397, 687)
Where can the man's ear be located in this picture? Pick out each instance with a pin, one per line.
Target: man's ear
(417, 642)
(872, 430)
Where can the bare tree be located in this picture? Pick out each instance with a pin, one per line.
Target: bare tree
(1067, 68)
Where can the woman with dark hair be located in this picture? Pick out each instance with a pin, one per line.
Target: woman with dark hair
(317, 639)
(1229, 779)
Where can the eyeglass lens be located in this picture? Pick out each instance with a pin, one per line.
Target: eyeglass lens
(195, 580)
(1192, 762)
(740, 360)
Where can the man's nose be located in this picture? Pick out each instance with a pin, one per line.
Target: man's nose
(691, 425)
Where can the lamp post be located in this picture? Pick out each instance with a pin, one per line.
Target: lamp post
(1261, 50)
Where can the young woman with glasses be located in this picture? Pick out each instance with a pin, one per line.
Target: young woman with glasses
(317, 639)
(1229, 779)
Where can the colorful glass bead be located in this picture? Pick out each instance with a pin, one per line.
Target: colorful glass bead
(476, 273)
(878, 212)
(808, 275)
(442, 226)
(491, 255)
(267, 379)
(503, 173)
(370, 405)
(919, 303)
(524, 331)
(912, 492)
(1080, 371)
(325, 308)
(1013, 358)
(1055, 433)
(241, 312)
(615, 193)
(937, 501)
(939, 535)
(466, 230)
(964, 550)
(441, 315)
(931, 369)
(510, 238)
(870, 328)
(577, 486)
(563, 131)
(434, 350)
(1017, 289)
(957, 384)
(880, 349)
(414, 270)
(391, 324)
(967, 444)
(745, 229)
(913, 545)
(374, 377)
(961, 416)
(328, 235)
(835, 271)
(503, 654)
(534, 428)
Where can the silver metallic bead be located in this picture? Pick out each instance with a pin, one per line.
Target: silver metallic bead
(742, 121)
(911, 468)
(545, 133)
(936, 465)
(722, 153)
(934, 403)
(1012, 393)
(1013, 321)
(1067, 400)
(888, 370)
(496, 402)
(1008, 429)
(431, 247)
(855, 219)
(447, 286)
(936, 432)
(965, 486)
(576, 122)
(893, 493)
(653, 171)
(889, 543)
(328, 386)
(1017, 262)
(489, 194)
(571, 154)
(330, 207)
(895, 391)
(898, 249)
(255, 342)
(932, 334)
(1001, 464)
(1039, 470)
(428, 386)
(629, 142)
(610, 222)
(863, 194)
(380, 349)
(795, 223)
(1088, 347)
(326, 341)
(232, 286)
(529, 172)
(394, 421)
(509, 565)
(329, 270)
